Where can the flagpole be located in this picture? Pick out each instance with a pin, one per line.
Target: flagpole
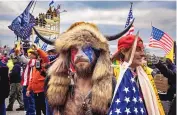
(32, 35)
(131, 3)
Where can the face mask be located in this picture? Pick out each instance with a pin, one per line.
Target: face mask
(83, 52)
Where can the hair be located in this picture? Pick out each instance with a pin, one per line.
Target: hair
(34, 53)
(120, 56)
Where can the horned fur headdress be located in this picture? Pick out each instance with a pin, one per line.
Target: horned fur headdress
(81, 34)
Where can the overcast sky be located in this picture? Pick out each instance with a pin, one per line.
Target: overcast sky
(110, 17)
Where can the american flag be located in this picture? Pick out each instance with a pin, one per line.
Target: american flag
(22, 25)
(51, 3)
(160, 39)
(127, 99)
(52, 57)
(44, 47)
(36, 41)
(129, 20)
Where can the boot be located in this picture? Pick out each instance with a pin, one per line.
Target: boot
(20, 109)
(9, 109)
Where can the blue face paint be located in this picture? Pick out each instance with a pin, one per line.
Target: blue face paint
(89, 52)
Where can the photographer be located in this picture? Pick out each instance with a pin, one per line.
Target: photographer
(36, 83)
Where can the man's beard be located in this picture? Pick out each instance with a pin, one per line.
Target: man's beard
(84, 72)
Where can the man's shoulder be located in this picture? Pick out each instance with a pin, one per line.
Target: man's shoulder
(4, 70)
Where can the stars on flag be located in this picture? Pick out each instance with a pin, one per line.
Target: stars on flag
(127, 110)
(135, 110)
(118, 111)
(142, 111)
(132, 79)
(118, 101)
(134, 89)
(134, 100)
(126, 89)
(127, 99)
(140, 100)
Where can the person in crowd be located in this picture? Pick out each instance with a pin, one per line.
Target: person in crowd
(16, 88)
(83, 48)
(1, 56)
(52, 59)
(36, 83)
(51, 51)
(4, 85)
(29, 102)
(169, 72)
(10, 63)
(170, 65)
(136, 76)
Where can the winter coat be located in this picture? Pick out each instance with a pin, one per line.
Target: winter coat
(15, 75)
(36, 83)
(171, 75)
(4, 83)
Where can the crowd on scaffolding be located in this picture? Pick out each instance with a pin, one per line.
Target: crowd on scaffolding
(79, 77)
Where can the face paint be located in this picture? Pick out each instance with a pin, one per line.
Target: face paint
(73, 54)
(89, 52)
(85, 53)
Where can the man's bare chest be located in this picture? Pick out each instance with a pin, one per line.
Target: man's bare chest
(78, 103)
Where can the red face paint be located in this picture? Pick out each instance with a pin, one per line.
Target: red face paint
(73, 54)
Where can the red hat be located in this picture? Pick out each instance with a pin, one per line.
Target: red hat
(127, 42)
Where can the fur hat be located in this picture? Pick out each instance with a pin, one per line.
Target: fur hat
(81, 33)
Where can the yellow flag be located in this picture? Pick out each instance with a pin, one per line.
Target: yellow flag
(170, 55)
(116, 69)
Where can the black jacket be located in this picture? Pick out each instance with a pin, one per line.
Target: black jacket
(4, 83)
(15, 75)
(171, 75)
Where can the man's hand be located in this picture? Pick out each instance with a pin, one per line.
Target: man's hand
(154, 59)
(17, 52)
(28, 93)
(34, 47)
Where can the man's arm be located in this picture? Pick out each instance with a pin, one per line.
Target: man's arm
(23, 59)
(166, 72)
(43, 55)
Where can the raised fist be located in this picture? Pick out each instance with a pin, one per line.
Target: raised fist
(154, 59)
(33, 47)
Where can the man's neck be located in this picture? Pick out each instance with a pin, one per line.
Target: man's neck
(84, 84)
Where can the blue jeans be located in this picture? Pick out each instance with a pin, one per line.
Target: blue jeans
(3, 108)
(48, 108)
(29, 102)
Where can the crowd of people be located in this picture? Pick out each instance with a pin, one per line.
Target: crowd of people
(76, 77)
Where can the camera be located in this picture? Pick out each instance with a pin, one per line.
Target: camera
(38, 64)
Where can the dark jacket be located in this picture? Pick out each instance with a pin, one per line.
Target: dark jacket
(172, 67)
(4, 83)
(172, 110)
(15, 75)
(171, 75)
